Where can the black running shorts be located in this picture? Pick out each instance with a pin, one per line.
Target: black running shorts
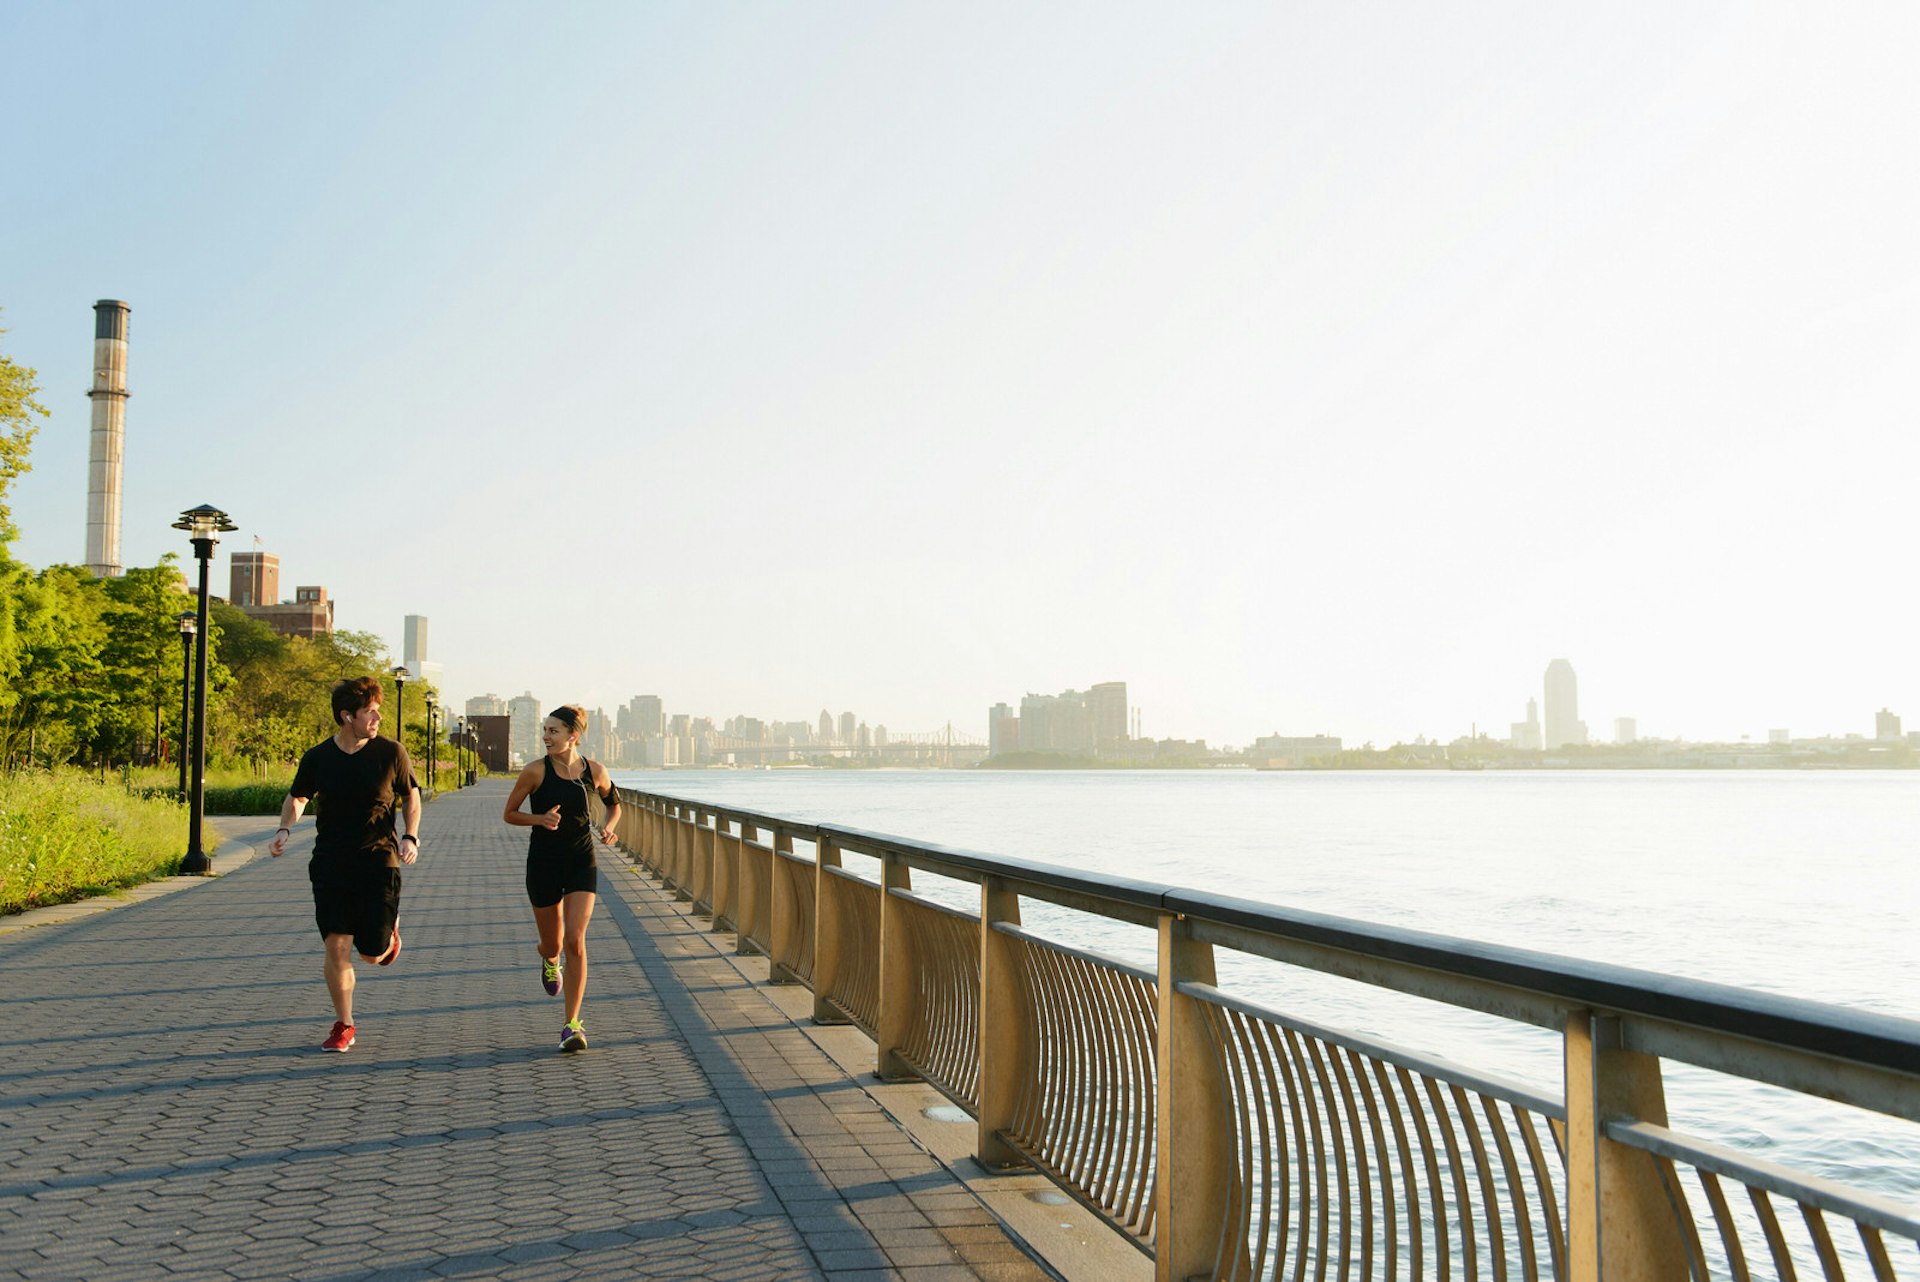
(551, 877)
(362, 902)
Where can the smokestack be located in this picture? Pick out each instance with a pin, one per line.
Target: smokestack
(109, 397)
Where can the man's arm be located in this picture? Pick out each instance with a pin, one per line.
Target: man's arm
(410, 829)
(289, 815)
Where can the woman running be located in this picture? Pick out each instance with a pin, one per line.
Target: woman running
(561, 877)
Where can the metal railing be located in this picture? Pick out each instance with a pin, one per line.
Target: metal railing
(1232, 1140)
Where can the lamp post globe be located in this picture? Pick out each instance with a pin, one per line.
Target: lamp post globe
(400, 675)
(204, 525)
(189, 628)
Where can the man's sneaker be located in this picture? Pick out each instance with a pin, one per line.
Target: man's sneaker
(339, 1039)
(394, 951)
(574, 1036)
(550, 975)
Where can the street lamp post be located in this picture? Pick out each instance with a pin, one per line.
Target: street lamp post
(189, 627)
(400, 698)
(433, 746)
(202, 524)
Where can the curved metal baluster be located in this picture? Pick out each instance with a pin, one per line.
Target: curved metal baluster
(1543, 1184)
(1107, 1093)
(1314, 1196)
(1822, 1242)
(1277, 1195)
(1253, 1116)
(1462, 1191)
(1776, 1240)
(1489, 1193)
(1391, 1102)
(1336, 1131)
(1436, 1192)
(1683, 1215)
(1876, 1253)
(1729, 1231)
(1516, 1191)
(1362, 1169)
(1232, 1032)
(1383, 1163)
(1140, 1172)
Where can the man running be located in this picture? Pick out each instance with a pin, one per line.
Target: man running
(361, 780)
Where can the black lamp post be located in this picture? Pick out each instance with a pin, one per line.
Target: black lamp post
(189, 627)
(202, 524)
(433, 746)
(400, 698)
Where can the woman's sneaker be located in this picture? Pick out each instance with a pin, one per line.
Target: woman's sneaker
(574, 1036)
(340, 1038)
(550, 975)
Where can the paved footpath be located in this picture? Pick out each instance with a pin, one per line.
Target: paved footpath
(165, 1109)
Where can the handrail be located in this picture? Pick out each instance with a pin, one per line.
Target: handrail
(1295, 1142)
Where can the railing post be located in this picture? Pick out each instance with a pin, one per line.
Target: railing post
(1004, 1052)
(704, 839)
(782, 915)
(827, 932)
(896, 974)
(684, 817)
(1195, 1140)
(1620, 1224)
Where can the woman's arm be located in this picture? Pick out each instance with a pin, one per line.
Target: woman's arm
(610, 797)
(529, 780)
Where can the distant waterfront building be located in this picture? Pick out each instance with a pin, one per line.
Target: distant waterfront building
(1525, 735)
(1003, 730)
(1290, 752)
(414, 649)
(487, 705)
(649, 715)
(1779, 736)
(1886, 726)
(826, 726)
(253, 579)
(1107, 710)
(879, 736)
(523, 728)
(1563, 724)
(849, 724)
(1625, 730)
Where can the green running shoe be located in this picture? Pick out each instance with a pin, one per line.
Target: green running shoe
(574, 1036)
(550, 975)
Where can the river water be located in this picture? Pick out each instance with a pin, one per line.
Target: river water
(1805, 883)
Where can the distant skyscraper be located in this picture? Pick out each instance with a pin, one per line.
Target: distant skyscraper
(848, 726)
(486, 705)
(1526, 734)
(1003, 730)
(1107, 707)
(1886, 725)
(416, 639)
(826, 726)
(523, 727)
(1563, 725)
(1625, 730)
(649, 715)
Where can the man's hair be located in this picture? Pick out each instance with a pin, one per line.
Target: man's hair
(352, 695)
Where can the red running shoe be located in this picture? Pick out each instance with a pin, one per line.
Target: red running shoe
(339, 1039)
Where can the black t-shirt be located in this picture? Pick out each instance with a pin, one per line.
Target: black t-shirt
(358, 792)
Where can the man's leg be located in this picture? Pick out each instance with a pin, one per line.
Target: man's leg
(339, 969)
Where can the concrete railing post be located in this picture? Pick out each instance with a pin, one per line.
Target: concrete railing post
(1620, 1224)
(1195, 1140)
(896, 973)
(828, 932)
(1004, 1052)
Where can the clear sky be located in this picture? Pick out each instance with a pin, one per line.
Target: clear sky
(1309, 367)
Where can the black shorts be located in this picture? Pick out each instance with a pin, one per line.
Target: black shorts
(552, 877)
(362, 902)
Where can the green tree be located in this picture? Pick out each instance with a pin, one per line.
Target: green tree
(17, 412)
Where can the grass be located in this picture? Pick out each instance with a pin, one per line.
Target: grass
(66, 836)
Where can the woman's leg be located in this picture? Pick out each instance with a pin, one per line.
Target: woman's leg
(546, 922)
(576, 909)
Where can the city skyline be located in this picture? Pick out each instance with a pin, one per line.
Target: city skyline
(1312, 370)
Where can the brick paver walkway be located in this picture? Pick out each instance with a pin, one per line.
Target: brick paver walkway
(165, 1109)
